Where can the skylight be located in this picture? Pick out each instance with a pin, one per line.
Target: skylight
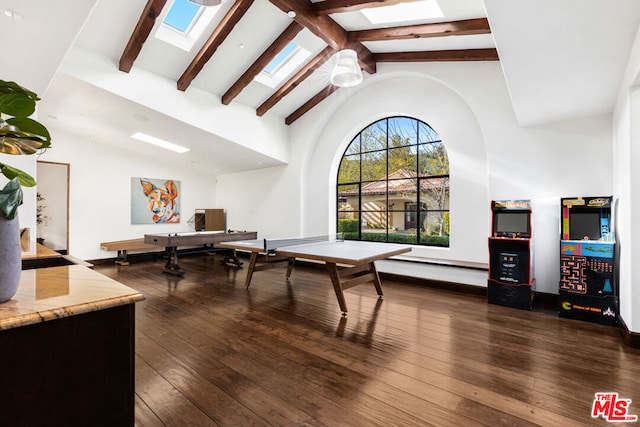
(403, 12)
(184, 23)
(282, 65)
(181, 15)
(280, 58)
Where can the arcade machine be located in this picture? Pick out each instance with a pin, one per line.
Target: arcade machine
(588, 290)
(511, 281)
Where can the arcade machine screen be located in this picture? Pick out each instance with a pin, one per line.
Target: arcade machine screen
(585, 225)
(512, 224)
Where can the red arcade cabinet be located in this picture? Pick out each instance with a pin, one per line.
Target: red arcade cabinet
(511, 281)
(588, 289)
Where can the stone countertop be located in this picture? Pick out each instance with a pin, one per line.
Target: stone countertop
(56, 292)
(39, 252)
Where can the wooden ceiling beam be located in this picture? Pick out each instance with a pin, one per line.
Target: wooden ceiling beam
(145, 24)
(326, 29)
(294, 81)
(222, 31)
(440, 29)
(267, 56)
(322, 26)
(324, 93)
(328, 7)
(489, 54)
(314, 17)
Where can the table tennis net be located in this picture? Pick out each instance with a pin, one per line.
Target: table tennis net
(272, 244)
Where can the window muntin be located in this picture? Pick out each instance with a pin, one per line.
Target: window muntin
(393, 184)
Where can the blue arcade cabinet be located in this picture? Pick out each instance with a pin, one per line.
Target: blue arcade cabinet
(588, 289)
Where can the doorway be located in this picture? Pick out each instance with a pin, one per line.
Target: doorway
(52, 205)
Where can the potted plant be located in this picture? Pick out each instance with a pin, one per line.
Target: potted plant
(19, 135)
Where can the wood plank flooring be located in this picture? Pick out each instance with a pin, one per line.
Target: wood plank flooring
(210, 353)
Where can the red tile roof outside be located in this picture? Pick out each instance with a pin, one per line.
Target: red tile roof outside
(401, 181)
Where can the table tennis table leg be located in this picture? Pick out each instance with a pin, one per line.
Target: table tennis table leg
(290, 264)
(335, 281)
(252, 266)
(376, 279)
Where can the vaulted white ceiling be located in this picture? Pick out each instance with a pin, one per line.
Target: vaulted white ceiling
(561, 59)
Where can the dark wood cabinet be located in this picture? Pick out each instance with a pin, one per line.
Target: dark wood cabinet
(67, 350)
(209, 220)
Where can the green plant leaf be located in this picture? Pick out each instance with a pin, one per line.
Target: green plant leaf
(19, 135)
(30, 126)
(11, 198)
(17, 105)
(24, 178)
(8, 87)
(19, 144)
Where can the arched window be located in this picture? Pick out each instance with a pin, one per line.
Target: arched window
(393, 184)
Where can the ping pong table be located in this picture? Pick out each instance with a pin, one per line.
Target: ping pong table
(355, 258)
(171, 241)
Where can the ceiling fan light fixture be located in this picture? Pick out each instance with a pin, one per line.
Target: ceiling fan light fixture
(206, 2)
(346, 72)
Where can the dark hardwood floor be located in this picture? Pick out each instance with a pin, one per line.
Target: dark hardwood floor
(209, 353)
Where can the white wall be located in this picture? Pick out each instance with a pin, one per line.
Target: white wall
(491, 157)
(627, 190)
(630, 259)
(100, 192)
(265, 200)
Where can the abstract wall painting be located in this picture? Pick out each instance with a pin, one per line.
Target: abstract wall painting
(155, 201)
